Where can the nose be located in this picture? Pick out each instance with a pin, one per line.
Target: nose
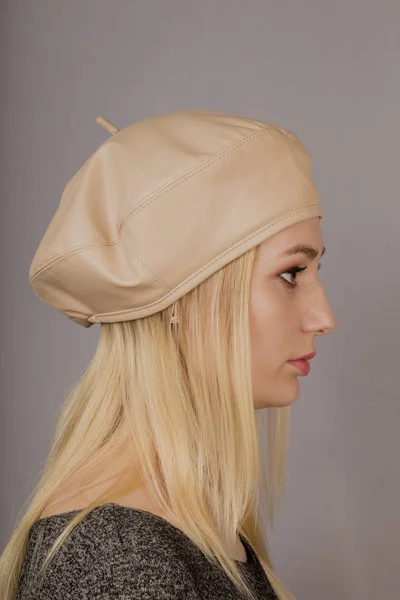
(321, 319)
(329, 323)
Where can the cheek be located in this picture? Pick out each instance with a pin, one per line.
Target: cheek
(268, 310)
(269, 325)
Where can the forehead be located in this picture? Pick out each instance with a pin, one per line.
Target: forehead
(307, 232)
(304, 232)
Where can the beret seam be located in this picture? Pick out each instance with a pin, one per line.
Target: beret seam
(198, 169)
(58, 259)
(177, 287)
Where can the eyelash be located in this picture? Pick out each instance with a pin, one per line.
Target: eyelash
(294, 271)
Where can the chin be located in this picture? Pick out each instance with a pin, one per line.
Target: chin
(283, 395)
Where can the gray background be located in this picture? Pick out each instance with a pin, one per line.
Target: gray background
(330, 72)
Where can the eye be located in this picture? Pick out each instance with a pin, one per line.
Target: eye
(294, 271)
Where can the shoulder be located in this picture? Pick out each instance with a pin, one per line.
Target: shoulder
(113, 552)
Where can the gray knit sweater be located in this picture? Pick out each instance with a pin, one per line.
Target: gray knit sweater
(122, 553)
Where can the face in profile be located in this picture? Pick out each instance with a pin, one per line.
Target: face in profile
(288, 309)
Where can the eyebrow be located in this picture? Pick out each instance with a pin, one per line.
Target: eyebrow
(309, 251)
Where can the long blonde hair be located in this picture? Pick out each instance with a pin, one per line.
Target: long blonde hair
(182, 397)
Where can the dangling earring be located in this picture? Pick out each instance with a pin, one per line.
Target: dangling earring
(174, 322)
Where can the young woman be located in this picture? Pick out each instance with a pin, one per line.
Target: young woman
(194, 240)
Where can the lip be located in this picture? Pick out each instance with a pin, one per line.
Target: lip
(307, 356)
(302, 365)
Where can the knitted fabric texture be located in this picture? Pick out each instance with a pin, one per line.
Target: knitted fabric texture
(124, 553)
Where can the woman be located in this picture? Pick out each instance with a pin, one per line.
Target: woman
(194, 240)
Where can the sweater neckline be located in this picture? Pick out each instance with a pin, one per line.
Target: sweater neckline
(250, 554)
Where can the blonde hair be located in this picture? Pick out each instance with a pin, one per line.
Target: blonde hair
(182, 398)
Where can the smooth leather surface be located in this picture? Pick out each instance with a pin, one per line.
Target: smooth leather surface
(161, 205)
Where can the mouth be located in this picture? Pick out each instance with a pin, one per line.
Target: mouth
(306, 356)
(301, 365)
